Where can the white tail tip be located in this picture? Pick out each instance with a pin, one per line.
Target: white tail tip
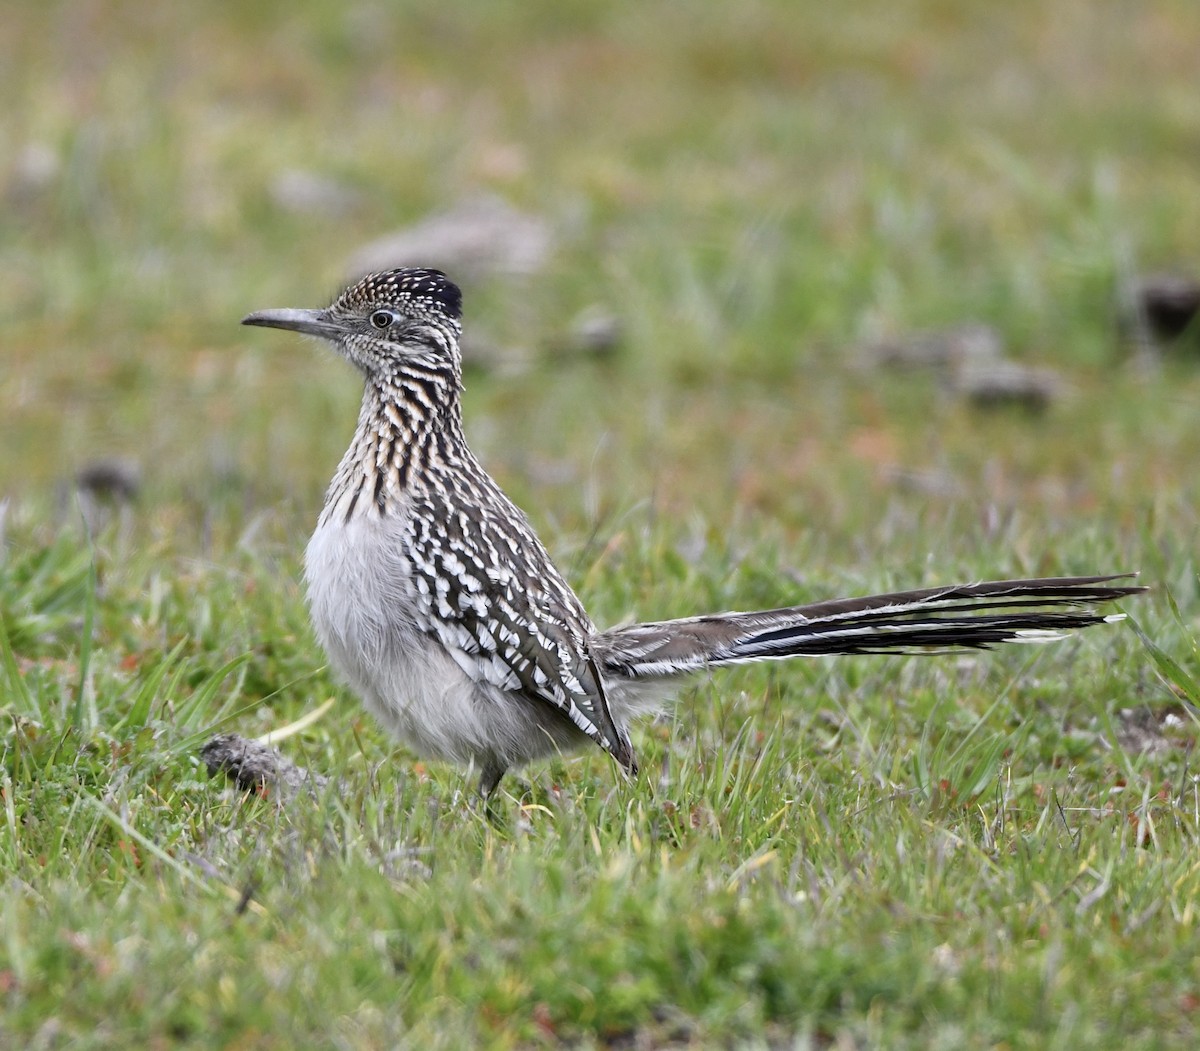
(1037, 635)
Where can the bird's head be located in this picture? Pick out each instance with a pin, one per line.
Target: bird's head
(385, 322)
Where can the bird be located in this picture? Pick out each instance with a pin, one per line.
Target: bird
(438, 605)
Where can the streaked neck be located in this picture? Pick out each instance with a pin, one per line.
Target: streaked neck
(406, 426)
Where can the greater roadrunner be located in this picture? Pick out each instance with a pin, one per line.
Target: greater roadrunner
(435, 600)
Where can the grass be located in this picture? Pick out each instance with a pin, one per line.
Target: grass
(986, 852)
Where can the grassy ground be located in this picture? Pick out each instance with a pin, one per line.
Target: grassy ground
(945, 853)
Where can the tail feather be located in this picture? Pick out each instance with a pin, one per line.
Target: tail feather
(965, 616)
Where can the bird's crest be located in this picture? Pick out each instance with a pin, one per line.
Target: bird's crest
(416, 291)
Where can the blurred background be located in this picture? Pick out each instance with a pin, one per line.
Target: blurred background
(766, 301)
(873, 274)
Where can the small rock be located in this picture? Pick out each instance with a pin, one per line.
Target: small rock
(594, 332)
(1161, 308)
(1153, 731)
(937, 348)
(111, 480)
(253, 766)
(105, 491)
(474, 239)
(996, 383)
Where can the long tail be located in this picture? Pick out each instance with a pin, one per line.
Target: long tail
(963, 616)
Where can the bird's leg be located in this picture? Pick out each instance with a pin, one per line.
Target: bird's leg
(489, 778)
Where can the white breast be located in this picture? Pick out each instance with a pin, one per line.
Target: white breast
(361, 598)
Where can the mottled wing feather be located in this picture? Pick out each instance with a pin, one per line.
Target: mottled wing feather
(490, 595)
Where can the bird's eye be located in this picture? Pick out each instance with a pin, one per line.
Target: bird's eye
(382, 318)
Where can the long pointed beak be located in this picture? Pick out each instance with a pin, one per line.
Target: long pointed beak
(310, 322)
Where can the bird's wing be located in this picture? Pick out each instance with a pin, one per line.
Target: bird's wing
(488, 592)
